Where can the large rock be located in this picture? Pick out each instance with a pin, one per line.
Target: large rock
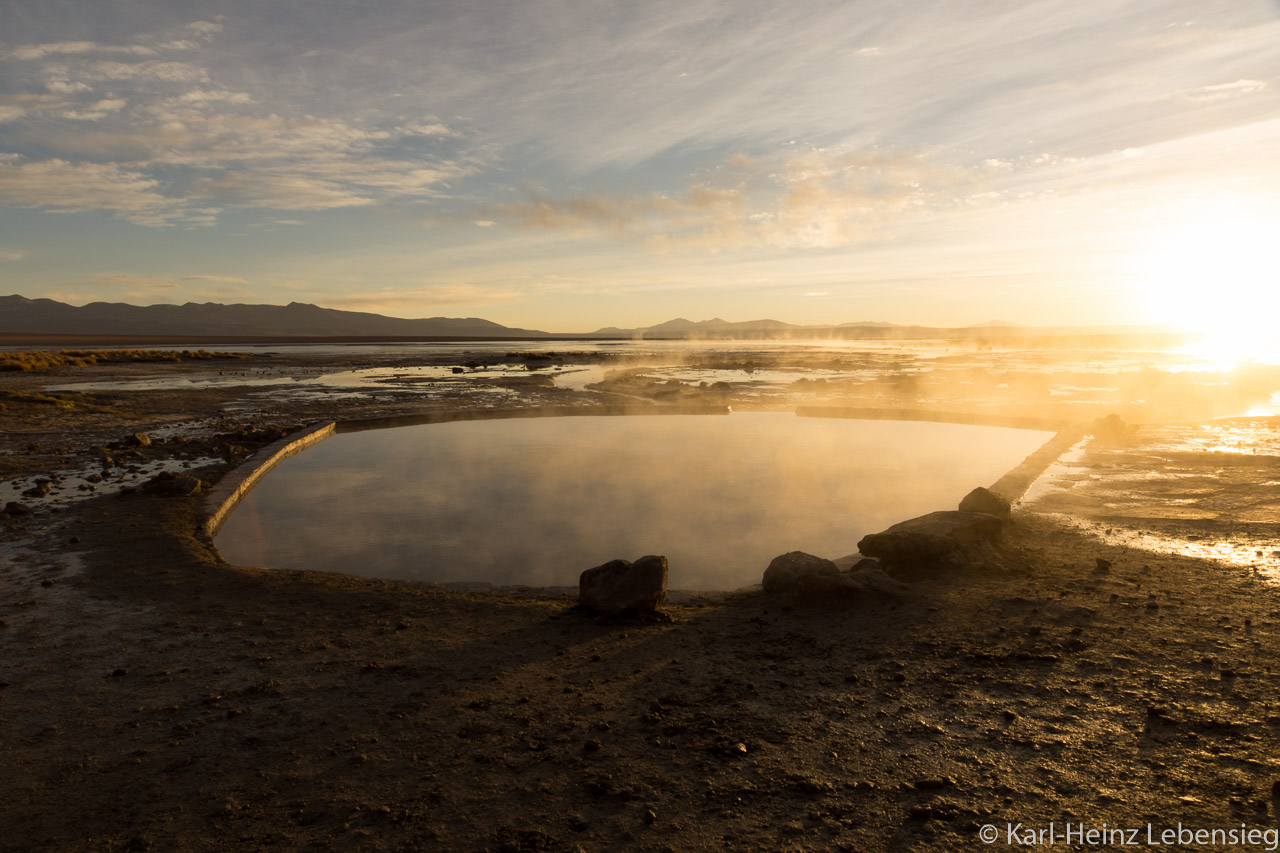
(174, 485)
(947, 538)
(867, 580)
(826, 589)
(1112, 428)
(787, 569)
(985, 500)
(620, 586)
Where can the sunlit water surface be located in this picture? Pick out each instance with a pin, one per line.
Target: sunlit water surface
(537, 500)
(1067, 380)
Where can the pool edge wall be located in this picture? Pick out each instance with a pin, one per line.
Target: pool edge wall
(227, 493)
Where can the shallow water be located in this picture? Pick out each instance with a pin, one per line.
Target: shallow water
(1198, 489)
(537, 501)
(1065, 381)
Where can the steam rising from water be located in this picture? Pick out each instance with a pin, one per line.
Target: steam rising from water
(537, 501)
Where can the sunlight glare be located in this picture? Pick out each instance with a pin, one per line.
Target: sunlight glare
(1215, 274)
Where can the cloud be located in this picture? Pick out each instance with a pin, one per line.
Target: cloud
(64, 187)
(205, 28)
(228, 151)
(430, 128)
(148, 289)
(66, 87)
(99, 110)
(426, 297)
(140, 289)
(129, 280)
(12, 254)
(222, 279)
(165, 71)
(39, 51)
(203, 96)
(810, 199)
(1223, 91)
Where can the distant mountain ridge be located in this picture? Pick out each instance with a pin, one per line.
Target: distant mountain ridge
(776, 329)
(716, 327)
(19, 315)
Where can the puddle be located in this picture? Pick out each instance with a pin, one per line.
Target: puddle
(66, 485)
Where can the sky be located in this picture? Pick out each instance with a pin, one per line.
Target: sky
(570, 165)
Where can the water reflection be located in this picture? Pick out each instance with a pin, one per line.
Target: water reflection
(536, 501)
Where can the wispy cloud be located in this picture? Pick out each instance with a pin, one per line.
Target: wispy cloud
(1223, 91)
(150, 289)
(129, 280)
(98, 110)
(400, 301)
(64, 187)
(222, 279)
(172, 146)
(61, 48)
(12, 254)
(811, 199)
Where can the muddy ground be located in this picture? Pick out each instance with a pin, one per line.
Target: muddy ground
(155, 698)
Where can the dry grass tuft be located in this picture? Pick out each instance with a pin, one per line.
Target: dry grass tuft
(40, 360)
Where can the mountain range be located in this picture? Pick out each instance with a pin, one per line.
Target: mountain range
(297, 319)
(23, 316)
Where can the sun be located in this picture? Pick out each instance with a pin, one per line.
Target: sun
(1216, 274)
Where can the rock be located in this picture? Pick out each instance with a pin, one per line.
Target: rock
(869, 580)
(39, 490)
(1101, 566)
(985, 500)
(15, 508)
(169, 483)
(934, 784)
(854, 562)
(819, 588)
(873, 578)
(620, 586)
(141, 439)
(786, 570)
(946, 538)
(1112, 427)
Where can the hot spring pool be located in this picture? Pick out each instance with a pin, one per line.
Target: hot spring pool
(538, 500)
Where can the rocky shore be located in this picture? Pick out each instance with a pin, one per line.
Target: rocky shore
(153, 697)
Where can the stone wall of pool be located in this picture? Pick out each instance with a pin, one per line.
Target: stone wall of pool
(229, 491)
